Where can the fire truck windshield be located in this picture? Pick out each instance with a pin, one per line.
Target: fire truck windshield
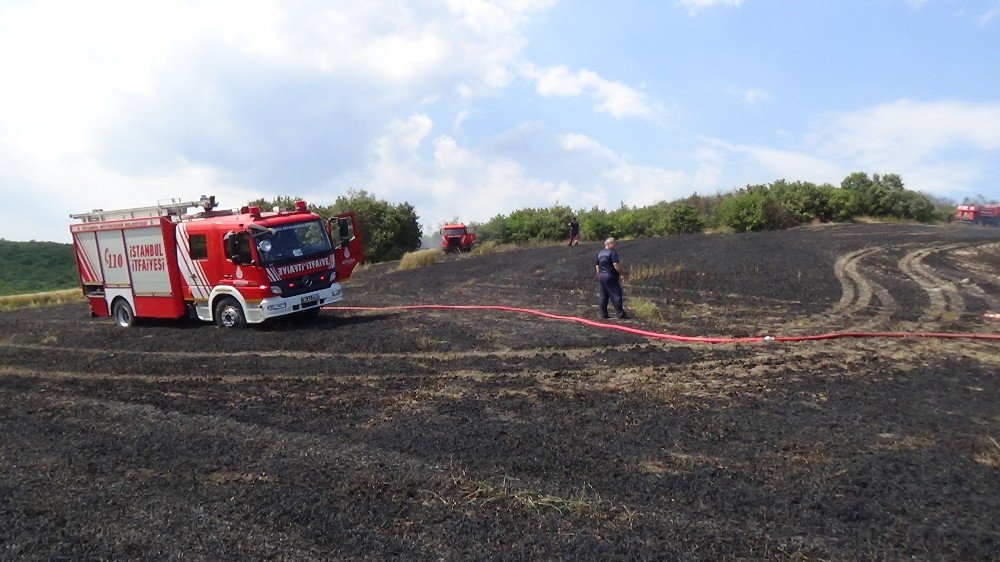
(292, 242)
(454, 231)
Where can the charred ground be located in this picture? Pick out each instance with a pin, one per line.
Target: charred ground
(483, 434)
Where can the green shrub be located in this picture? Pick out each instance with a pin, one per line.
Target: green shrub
(683, 219)
(595, 224)
(744, 212)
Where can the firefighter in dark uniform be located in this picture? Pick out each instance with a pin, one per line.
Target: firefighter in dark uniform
(609, 275)
(574, 231)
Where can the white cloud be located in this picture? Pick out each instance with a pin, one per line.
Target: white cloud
(938, 147)
(118, 103)
(906, 129)
(756, 95)
(989, 15)
(451, 178)
(631, 183)
(916, 140)
(694, 6)
(611, 97)
(788, 164)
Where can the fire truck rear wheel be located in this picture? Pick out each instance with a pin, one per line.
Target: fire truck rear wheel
(122, 311)
(229, 313)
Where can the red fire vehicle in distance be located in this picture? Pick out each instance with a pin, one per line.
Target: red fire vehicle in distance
(978, 214)
(457, 238)
(231, 267)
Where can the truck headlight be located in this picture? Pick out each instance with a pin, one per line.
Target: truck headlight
(275, 290)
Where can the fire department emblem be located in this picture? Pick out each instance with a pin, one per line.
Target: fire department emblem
(347, 253)
(239, 272)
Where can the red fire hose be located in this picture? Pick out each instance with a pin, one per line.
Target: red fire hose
(675, 337)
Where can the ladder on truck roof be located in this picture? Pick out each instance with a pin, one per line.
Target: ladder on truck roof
(173, 207)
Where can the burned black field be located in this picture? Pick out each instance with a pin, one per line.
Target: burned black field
(484, 434)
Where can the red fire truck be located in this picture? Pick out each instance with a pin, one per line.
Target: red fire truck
(978, 214)
(231, 267)
(457, 238)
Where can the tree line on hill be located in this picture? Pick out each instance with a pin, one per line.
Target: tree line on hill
(777, 205)
(389, 230)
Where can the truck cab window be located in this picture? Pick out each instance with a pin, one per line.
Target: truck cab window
(346, 230)
(198, 246)
(295, 242)
(237, 246)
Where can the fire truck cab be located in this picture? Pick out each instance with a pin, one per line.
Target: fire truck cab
(229, 267)
(457, 238)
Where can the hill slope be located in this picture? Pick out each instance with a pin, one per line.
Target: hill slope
(478, 434)
(31, 267)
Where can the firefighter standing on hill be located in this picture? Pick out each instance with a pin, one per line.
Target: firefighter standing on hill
(609, 275)
(574, 231)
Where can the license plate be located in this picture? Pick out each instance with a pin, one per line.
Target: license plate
(310, 299)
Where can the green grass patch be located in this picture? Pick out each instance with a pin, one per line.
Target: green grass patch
(641, 307)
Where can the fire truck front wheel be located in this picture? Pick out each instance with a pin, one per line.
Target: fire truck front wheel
(122, 312)
(229, 313)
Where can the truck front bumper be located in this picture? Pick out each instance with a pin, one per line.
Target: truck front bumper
(273, 307)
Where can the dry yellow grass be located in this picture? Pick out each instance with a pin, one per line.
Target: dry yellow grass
(421, 258)
(491, 247)
(642, 272)
(48, 298)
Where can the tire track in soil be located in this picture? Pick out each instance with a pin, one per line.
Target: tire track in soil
(946, 302)
(857, 291)
(992, 301)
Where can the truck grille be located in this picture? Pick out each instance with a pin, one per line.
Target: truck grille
(306, 283)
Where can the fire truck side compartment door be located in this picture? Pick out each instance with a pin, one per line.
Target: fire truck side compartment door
(112, 247)
(88, 258)
(147, 257)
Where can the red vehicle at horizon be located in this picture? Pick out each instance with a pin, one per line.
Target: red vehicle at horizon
(457, 237)
(229, 267)
(988, 214)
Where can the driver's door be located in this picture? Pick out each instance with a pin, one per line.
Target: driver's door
(348, 251)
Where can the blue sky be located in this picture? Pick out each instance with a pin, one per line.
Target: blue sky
(471, 108)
